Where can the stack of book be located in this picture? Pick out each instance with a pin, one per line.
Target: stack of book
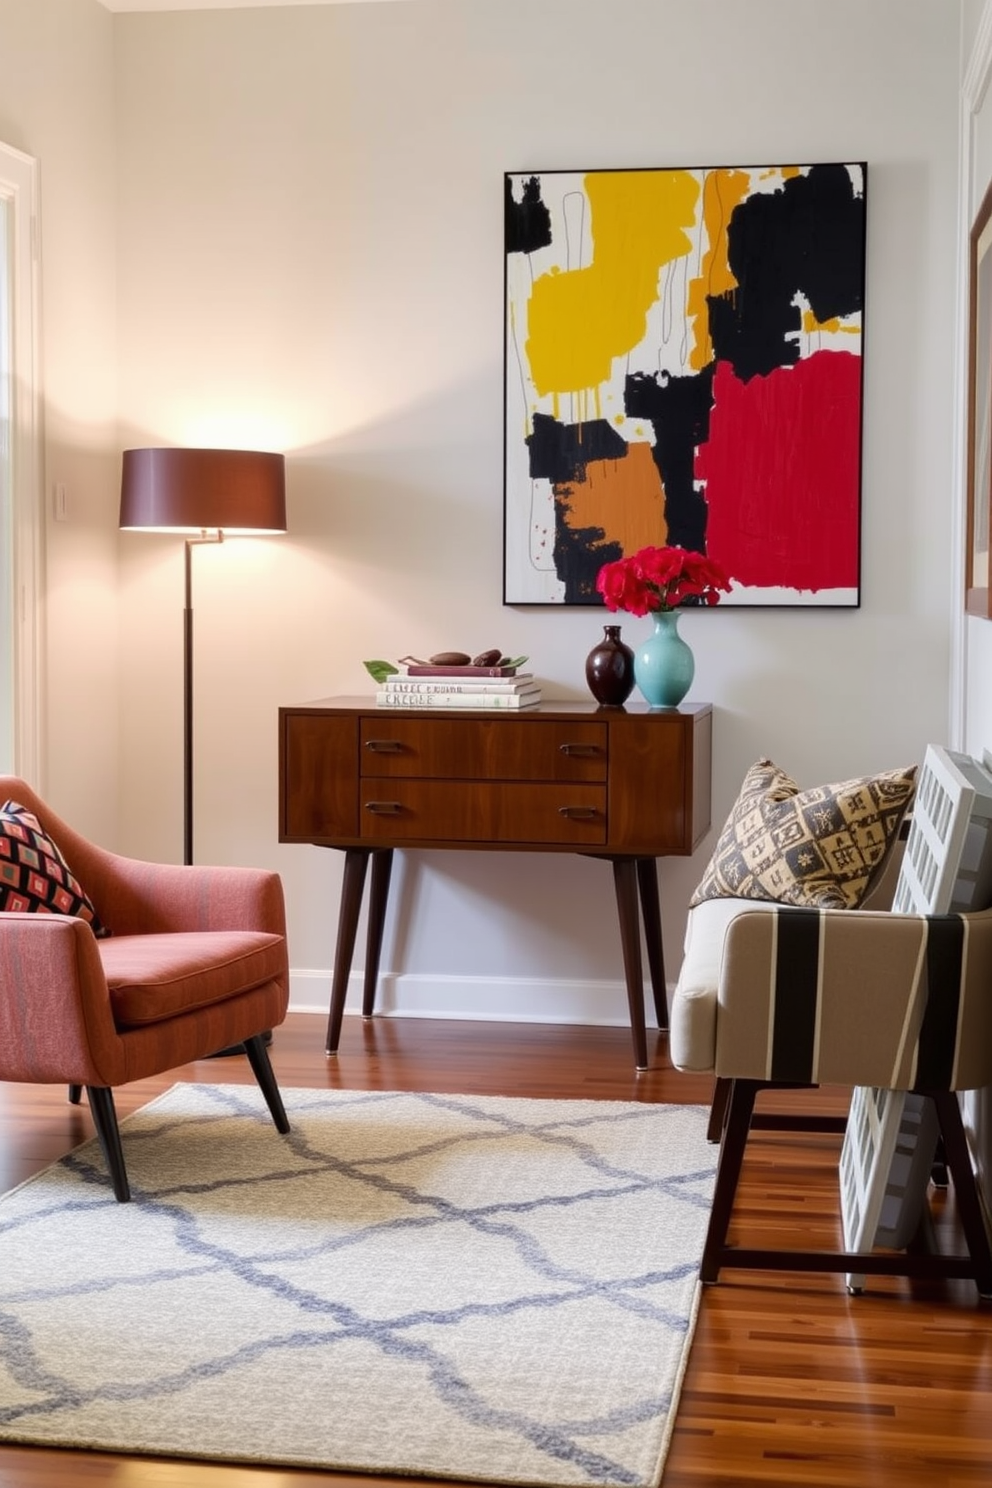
(459, 687)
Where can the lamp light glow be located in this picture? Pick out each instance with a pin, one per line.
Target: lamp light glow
(206, 494)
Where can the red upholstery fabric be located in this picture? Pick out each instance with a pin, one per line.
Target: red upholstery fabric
(196, 961)
(152, 977)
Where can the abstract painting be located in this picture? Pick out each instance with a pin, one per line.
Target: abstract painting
(684, 366)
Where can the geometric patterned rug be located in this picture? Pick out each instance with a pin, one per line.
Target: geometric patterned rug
(469, 1287)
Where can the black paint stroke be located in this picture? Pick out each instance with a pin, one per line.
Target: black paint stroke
(579, 554)
(560, 452)
(678, 409)
(528, 221)
(807, 236)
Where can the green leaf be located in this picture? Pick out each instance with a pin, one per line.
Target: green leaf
(380, 670)
(514, 661)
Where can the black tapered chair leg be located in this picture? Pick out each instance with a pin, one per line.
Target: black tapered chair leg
(75, 1094)
(735, 1131)
(101, 1101)
(258, 1058)
(719, 1108)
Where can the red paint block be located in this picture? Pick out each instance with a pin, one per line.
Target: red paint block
(782, 469)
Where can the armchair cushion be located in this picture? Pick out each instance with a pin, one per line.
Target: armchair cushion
(34, 876)
(822, 847)
(154, 977)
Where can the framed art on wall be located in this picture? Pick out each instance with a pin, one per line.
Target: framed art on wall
(978, 590)
(683, 365)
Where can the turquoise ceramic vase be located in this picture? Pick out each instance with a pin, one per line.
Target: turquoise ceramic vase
(663, 663)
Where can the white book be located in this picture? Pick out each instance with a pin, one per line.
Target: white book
(505, 686)
(388, 698)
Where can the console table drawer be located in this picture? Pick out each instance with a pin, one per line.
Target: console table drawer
(497, 748)
(449, 812)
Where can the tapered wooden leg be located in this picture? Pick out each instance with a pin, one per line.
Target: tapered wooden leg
(625, 883)
(75, 1094)
(101, 1101)
(735, 1131)
(647, 883)
(258, 1058)
(356, 862)
(382, 867)
(969, 1206)
(718, 1109)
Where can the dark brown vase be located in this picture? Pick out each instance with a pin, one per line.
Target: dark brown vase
(610, 669)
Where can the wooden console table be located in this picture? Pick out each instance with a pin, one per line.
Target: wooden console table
(626, 784)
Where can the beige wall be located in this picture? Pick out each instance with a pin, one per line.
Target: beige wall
(310, 216)
(57, 104)
(309, 219)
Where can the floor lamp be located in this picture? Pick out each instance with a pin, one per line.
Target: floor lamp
(207, 494)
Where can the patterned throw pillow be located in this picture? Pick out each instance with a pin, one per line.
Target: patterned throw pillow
(819, 848)
(34, 876)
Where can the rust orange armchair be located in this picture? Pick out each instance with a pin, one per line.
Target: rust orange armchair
(193, 959)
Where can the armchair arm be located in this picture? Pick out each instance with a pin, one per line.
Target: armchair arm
(55, 1017)
(856, 998)
(133, 897)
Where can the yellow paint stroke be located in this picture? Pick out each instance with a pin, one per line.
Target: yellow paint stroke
(835, 325)
(580, 320)
(722, 191)
(625, 497)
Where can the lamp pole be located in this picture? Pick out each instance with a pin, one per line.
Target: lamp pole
(191, 542)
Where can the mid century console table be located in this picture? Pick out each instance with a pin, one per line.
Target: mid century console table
(626, 784)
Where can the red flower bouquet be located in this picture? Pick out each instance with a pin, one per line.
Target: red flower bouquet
(660, 579)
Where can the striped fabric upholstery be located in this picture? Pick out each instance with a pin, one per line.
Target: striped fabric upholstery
(847, 997)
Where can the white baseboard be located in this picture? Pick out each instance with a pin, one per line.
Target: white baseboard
(482, 999)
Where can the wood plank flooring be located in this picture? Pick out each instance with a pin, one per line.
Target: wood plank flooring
(790, 1382)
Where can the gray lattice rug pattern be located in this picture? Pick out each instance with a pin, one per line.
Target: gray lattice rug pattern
(446, 1286)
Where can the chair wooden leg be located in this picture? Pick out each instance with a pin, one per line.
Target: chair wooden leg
(958, 1160)
(258, 1058)
(101, 1101)
(736, 1127)
(75, 1094)
(718, 1109)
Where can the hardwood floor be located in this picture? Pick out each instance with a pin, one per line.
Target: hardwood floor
(790, 1380)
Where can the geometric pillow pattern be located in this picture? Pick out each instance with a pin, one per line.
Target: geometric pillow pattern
(34, 876)
(822, 847)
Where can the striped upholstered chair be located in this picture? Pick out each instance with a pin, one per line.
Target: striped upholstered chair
(772, 996)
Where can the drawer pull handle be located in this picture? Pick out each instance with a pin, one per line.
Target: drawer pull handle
(384, 746)
(578, 813)
(587, 751)
(384, 808)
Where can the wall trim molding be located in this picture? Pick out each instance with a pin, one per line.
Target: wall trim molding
(476, 999)
(19, 193)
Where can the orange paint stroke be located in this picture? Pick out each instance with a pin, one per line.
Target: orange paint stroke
(723, 190)
(625, 498)
(835, 324)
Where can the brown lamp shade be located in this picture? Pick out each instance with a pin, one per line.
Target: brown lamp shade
(192, 490)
